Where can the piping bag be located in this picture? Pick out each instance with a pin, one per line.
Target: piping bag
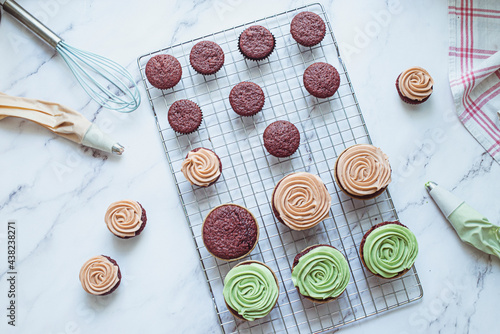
(59, 119)
(471, 226)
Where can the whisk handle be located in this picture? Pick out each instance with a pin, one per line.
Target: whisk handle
(33, 24)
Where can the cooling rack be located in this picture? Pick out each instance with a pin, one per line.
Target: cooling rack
(249, 173)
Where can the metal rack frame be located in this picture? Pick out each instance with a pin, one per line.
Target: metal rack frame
(249, 174)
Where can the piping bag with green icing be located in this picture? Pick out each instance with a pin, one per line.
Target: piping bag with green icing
(471, 226)
(59, 119)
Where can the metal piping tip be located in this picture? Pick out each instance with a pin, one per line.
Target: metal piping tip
(430, 185)
(117, 149)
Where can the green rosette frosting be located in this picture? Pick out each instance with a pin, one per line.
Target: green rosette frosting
(250, 290)
(321, 273)
(390, 249)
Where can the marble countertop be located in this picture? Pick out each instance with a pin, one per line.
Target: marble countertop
(57, 191)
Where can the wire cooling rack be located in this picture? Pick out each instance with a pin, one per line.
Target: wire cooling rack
(249, 173)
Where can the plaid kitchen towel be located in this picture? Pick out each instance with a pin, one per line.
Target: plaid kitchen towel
(475, 68)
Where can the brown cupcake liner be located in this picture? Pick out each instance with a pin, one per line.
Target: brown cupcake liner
(296, 261)
(244, 255)
(362, 244)
(188, 133)
(234, 312)
(406, 99)
(257, 59)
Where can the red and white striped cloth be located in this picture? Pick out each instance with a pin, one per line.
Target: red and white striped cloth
(475, 68)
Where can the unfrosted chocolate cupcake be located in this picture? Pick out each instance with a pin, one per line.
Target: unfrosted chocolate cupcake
(246, 98)
(230, 232)
(256, 43)
(281, 139)
(206, 57)
(202, 167)
(100, 275)
(184, 116)
(308, 28)
(163, 71)
(321, 80)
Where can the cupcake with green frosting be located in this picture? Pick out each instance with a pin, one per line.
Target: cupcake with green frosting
(250, 290)
(389, 249)
(320, 273)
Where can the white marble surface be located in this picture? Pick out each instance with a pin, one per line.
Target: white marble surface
(58, 191)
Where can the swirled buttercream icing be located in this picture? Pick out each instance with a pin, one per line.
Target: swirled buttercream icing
(362, 170)
(321, 273)
(123, 218)
(99, 275)
(390, 249)
(415, 83)
(201, 167)
(250, 290)
(301, 200)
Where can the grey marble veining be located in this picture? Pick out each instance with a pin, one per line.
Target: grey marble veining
(58, 191)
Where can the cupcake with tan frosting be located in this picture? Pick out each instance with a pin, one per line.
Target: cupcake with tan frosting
(100, 275)
(301, 201)
(202, 167)
(125, 219)
(414, 85)
(363, 171)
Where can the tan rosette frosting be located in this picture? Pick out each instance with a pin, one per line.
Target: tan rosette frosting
(201, 168)
(363, 170)
(415, 83)
(123, 218)
(99, 275)
(301, 200)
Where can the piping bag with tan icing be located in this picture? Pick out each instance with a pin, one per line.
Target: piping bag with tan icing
(59, 119)
(471, 226)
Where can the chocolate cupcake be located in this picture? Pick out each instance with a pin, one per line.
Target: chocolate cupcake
(388, 250)
(415, 85)
(100, 275)
(320, 273)
(163, 71)
(126, 219)
(202, 167)
(281, 139)
(301, 201)
(230, 232)
(363, 171)
(308, 28)
(251, 290)
(184, 116)
(256, 43)
(321, 80)
(246, 98)
(206, 57)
